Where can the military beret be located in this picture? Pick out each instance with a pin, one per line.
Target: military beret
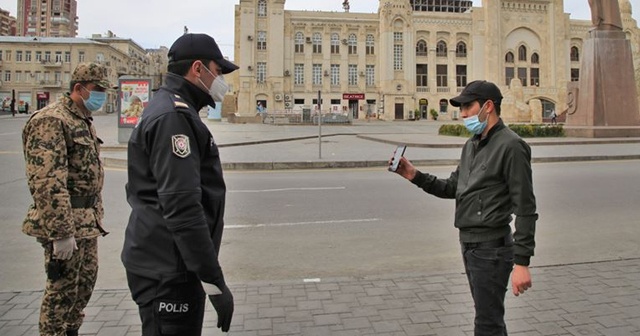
(199, 46)
(91, 72)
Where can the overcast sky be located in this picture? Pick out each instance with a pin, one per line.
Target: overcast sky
(159, 22)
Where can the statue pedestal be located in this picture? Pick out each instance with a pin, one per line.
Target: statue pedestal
(607, 103)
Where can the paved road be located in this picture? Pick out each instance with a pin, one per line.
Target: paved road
(591, 290)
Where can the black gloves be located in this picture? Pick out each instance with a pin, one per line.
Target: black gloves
(223, 304)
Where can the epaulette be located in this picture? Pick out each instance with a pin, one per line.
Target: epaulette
(178, 102)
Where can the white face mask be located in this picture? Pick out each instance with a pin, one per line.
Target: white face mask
(218, 87)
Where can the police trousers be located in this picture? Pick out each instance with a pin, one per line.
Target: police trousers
(488, 266)
(169, 306)
(68, 291)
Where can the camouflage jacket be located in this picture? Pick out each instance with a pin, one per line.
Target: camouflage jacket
(64, 173)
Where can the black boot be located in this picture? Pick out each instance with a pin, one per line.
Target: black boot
(72, 333)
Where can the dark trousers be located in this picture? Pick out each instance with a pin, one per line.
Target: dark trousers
(170, 306)
(488, 266)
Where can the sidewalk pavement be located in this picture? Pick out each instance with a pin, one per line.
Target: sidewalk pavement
(584, 299)
(580, 299)
(361, 144)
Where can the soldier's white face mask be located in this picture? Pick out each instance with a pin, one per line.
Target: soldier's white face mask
(218, 87)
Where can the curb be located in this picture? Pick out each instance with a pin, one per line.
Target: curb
(244, 166)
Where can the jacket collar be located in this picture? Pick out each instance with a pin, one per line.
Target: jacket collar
(192, 94)
(483, 141)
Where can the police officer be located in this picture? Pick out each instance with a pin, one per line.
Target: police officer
(65, 177)
(177, 194)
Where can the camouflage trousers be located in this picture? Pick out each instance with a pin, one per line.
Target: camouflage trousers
(66, 297)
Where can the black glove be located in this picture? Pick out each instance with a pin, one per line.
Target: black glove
(223, 304)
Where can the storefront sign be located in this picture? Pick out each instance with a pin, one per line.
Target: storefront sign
(353, 96)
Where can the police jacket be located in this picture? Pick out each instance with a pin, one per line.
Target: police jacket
(175, 189)
(64, 173)
(492, 182)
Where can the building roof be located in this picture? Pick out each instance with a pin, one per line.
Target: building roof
(38, 39)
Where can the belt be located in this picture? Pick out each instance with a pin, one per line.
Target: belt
(83, 202)
(500, 242)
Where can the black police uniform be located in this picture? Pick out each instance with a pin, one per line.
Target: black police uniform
(177, 194)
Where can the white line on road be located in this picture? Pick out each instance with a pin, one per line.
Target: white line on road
(287, 189)
(345, 221)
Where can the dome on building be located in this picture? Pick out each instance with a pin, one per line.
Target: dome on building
(449, 6)
(625, 7)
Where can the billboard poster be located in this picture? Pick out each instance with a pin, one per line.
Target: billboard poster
(133, 97)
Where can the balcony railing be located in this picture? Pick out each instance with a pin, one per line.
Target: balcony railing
(422, 89)
(50, 84)
(50, 64)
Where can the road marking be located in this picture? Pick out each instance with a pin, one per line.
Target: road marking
(10, 152)
(345, 221)
(286, 189)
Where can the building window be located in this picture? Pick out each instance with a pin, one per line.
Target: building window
(0, 55)
(575, 74)
(398, 51)
(18, 56)
(575, 54)
(58, 58)
(335, 43)
(353, 75)
(27, 76)
(421, 48)
(371, 75)
(7, 55)
(38, 56)
(38, 76)
(535, 59)
(57, 76)
(7, 75)
(27, 56)
(461, 49)
(47, 56)
(335, 74)
(262, 8)
(441, 49)
(80, 56)
(317, 43)
(441, 75)
(370, 45)
(262, 40)
(509, 57)
(299, 43)
(261, 72)
(522, 76)
(461, 75)
(534, 76)
(508, 75)
(522, 54)
(353, 44)
(316, 74)
(67, 57)
(422, 72)
(298, 74)
(18, 76)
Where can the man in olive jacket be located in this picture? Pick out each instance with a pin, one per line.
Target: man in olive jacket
(492, 182)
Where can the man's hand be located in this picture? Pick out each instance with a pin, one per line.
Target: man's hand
(223, 304)
(520, 279)
(63, 248)
(405, 169)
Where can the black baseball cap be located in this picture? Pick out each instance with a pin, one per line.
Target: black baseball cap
(199, 46)
(477, 90)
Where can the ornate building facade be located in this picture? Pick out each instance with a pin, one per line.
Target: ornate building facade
(412, 55)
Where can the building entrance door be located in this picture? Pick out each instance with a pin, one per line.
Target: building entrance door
(399, 111)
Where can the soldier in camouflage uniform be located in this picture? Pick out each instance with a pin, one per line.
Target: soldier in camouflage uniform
(65, 177)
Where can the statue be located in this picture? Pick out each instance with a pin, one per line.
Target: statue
(605, 14)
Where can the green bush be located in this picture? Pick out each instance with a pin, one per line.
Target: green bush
(523, 130)
(434, 114)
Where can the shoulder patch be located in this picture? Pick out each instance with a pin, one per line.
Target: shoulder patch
(180, 144)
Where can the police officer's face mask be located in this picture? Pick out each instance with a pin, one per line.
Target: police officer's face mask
(218, 87)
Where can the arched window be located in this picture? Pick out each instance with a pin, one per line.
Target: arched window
(335, 43)
(535, 59)
(575, 54)
(441, 49)
(353, 44)
(421, 48)
(299, 42)
(461, 49)
(262, 8)
(522, 53)
(370, 44)
(317, 43)
(508, 58)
